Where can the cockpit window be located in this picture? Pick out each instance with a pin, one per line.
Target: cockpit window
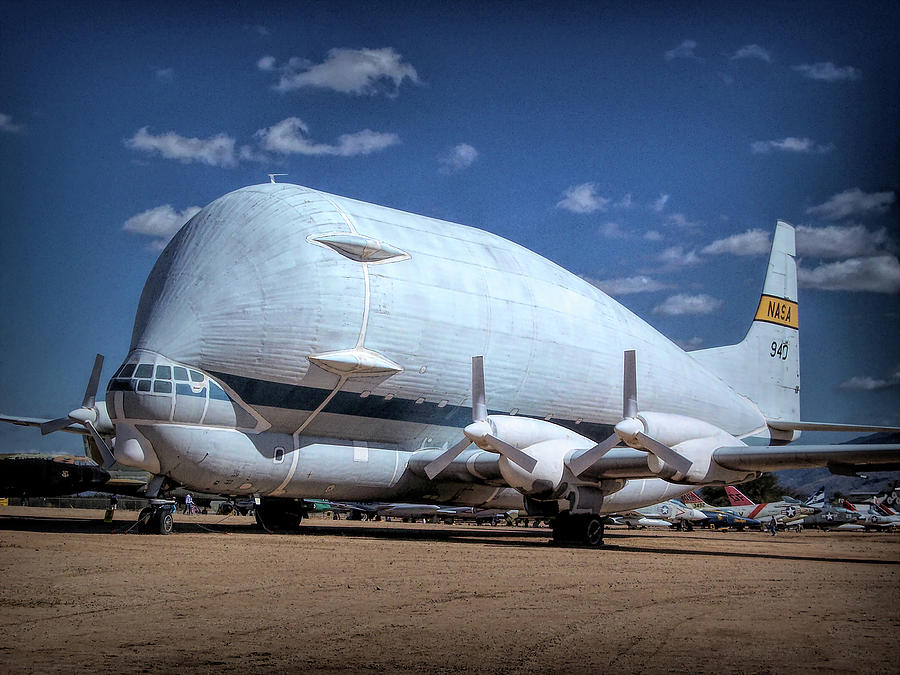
(196, 377)
(162, 387)
(127, 370)
(163, 372)
(181, 374)
(144, 370)
(143, 385)
(217, 393)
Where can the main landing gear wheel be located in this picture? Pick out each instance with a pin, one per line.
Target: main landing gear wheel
(156, 519)
(584, 529)
(279, 515)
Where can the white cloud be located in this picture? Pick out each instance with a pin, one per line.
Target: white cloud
(690, 344)
(871, 383)
(685, 305)
(853, 203)
(683, 51)
(159, 223)
(458, 158)
(164, 74)
(751, 242)
(680, 220)
(582, 199)
(880, 274)
(839, 241)
(826, 71)
(215, 151)
(652, 235)
(627, 285)
(349, 71)
(7, 125)
(676, 256)
(660, 203)
(790, 144)
(288, 137)
(266, 63)
(612, 231)
(752, 52)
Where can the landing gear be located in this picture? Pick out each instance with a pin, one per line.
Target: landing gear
(157, 518)
(586, 529)
(280, 515)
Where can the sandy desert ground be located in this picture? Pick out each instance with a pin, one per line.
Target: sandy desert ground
(222, 596)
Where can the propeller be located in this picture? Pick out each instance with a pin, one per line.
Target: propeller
(86, 415)
(480, 431)
(630, 430)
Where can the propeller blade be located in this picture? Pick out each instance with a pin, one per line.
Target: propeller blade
(580, 464)
(443, 460)
(629, 386)
(90, 394)
(513, 454)
(105, 452)
(665, 453)
(54, 425)
(479, 406)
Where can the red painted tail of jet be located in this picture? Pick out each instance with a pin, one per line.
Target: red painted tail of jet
(736, 497)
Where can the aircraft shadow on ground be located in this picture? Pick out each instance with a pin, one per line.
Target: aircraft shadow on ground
(620, 541)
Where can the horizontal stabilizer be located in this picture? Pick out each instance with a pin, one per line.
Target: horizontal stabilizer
(787, 425)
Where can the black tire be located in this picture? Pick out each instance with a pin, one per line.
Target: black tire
(593, 531)
(164, 522)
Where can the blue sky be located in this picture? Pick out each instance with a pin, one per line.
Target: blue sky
(647, 147)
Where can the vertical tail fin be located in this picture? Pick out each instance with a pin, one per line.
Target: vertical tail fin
(818, 499)
(736, 497)
(765, 366)
(693, 500)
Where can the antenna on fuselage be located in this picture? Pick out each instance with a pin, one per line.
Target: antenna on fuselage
(272, 176)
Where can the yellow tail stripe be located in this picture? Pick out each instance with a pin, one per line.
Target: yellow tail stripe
(778, 311)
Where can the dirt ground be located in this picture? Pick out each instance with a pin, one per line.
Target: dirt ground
(222, 596)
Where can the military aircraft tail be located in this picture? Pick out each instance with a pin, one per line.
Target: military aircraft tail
(765, 365)
(736, 497)
(694, 500)
(818, 499)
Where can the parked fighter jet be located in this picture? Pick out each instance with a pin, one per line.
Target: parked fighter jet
(294, 344)
(718, 518)
(872, 516)
(785, 512)
(828, 516)
(667, 514)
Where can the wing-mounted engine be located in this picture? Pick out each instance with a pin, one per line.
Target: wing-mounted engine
(679, 448)
(532, 453)
(693, 441)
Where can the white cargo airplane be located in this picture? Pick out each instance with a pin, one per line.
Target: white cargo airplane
(294, 344)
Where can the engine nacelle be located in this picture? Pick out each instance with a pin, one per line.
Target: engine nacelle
(546, 480)
(696, 441)
(523, 432)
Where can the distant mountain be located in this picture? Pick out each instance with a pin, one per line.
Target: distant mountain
(807, 481)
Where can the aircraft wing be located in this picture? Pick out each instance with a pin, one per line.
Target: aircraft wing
(838, 458)
(787, 425)
(37, 422)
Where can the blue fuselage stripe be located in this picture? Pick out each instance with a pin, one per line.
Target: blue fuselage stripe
(291, 397)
